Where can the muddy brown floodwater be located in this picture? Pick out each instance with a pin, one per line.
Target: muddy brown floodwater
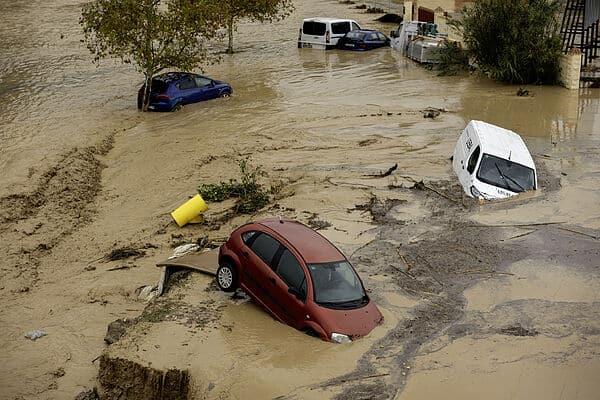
(494, 300)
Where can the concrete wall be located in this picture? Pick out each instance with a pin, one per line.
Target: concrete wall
(408, 11)
(448, 5)
(570, 69)
(441, 20)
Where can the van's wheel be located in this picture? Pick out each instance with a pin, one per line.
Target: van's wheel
(225, 95)
(227, 278)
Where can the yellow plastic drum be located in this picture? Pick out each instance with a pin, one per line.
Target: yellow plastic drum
(189, 210)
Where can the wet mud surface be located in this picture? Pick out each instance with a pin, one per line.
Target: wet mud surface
(436, 266)
(33, 223)
(476, 297)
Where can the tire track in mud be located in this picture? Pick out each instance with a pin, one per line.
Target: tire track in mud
(31, 224)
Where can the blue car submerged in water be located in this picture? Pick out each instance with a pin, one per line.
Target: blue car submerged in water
(173, 90)
(363, 39)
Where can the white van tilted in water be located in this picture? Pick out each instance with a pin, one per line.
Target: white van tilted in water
(324, 33)
(493, 162)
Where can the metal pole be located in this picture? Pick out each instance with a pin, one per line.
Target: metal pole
(596, 38)
(586, 47)
(582, 19)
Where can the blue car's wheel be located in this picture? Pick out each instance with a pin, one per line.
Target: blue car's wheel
(225, 95)
(177, 107)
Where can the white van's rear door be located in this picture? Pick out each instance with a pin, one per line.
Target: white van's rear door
(313, 33)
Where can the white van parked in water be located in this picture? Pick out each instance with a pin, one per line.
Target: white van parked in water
(493, 162)
(324, 33)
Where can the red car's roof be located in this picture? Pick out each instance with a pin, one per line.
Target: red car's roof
(313, 247)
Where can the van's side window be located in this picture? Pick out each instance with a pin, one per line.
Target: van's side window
(355, 27)
(473, 160)
(340, 28)
(314, 28)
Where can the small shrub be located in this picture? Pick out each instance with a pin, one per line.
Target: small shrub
(251, 196)
(515, 41)
(452, 59)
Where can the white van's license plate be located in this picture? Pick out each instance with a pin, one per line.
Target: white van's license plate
(307, 45)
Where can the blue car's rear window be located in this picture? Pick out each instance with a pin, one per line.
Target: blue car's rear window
(159, 86)
(355, 35)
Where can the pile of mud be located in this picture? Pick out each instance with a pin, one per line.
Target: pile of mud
(126, 379)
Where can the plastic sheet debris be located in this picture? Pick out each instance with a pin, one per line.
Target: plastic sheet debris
(184, 249)
(35, 334)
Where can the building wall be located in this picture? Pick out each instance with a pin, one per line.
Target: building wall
(447, 5)
(441, 20)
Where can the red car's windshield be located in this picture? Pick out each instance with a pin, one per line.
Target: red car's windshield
(337, 285)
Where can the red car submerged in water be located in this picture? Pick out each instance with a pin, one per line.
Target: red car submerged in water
(299, 277)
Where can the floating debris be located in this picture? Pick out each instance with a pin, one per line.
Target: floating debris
(35, 334)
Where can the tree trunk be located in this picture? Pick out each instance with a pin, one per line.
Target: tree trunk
(230, 30)
(147, 91)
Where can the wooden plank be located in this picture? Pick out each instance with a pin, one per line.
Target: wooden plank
(206, 262)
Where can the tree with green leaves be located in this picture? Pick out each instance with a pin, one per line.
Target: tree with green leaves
(515, 41)
(151, 34)
(255, 10)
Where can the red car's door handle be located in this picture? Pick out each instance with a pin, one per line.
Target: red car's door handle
(245, 253)
(272, 280)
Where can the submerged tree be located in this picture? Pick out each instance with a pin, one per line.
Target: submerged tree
(515, 41)
(256, 10)
(151, 34)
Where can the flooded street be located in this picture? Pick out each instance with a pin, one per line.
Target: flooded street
(83, 172)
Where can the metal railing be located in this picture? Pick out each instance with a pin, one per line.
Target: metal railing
(572, 24)
(590, 42)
